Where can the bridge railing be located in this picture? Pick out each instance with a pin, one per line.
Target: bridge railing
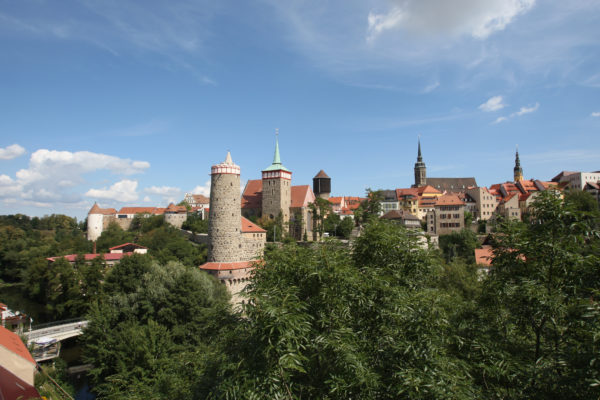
(69, 328)
(35, 327)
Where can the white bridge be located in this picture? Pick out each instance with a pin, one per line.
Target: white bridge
(46, 338)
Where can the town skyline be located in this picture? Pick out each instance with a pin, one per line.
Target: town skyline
(127, 105)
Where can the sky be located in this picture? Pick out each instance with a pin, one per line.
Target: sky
(129, 103)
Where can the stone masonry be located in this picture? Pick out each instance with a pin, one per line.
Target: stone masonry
(224, 224)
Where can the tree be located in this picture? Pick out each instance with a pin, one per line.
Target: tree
(539, 303)
(321, 323)
(369, 208)
(468, 219)
(195, 223)
(163, 323)
(112, 236)
(459, 244)
(319, 209)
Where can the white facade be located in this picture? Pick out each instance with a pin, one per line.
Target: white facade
(577, 180)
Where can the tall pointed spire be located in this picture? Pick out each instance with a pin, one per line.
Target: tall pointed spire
(518, 171)
(276, 158)
(228, 159)
(420, 169)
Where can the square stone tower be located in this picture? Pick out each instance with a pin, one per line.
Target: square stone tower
(276, 189)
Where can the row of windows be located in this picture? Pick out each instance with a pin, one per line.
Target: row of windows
(449, 216)
(450, 225)
(449, 208)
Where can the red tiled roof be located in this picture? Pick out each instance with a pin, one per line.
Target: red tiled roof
(321, 174)
(140, 210)
(427, 189)
(137, 246)
(172, 208)
(302, 195)
(484, 256)
(225, 266)
(11, 342)
(201, 199)
(449, 200)
(104, 211)
(346, 211)
(335, 200)
(252, 196)
(250, 227)
(88, 257)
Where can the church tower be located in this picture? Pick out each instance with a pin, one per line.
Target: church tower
(518, 170)
(276, 188)
(225, 216)
(420, 170)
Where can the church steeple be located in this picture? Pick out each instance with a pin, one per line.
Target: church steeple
(276, 166)
(420, 169)
(518, 171)
(276, 187)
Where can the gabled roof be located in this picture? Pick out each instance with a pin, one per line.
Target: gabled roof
(389, 195)
(321, 174)
(132, 245)
(562, 174)
(250, 227)
(335, 200)
(399, 214)
(451, 184)
(484, 256)
(252, 195)
(449, 200)
(201, 199)
(11, 342)
(302, 195)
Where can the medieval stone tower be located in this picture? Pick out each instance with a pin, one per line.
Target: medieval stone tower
(224, 224)
(276, 189)
(420, 170)
(518, 171)
(322, 185)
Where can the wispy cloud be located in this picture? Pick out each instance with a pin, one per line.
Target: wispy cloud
(493, 104)
(431, 87)
(177, 31)
(12, 151)
(522, 111)
(595, 114)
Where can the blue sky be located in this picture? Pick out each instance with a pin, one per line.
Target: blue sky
(130, 103)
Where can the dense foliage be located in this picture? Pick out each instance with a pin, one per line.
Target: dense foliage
(152, 328)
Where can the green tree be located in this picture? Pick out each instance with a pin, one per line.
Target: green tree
(319, 210)
(112, 236)
(195, 223)
(459, 244)
(324, 324)
(164, 321)
(369, 208)
(539, 305)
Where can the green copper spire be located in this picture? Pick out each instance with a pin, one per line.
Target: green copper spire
(276, 166)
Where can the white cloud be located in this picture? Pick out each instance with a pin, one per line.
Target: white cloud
(596, 114)
(53, 177)
(10, 152)
(526, 110)
(431, 87)
(522, 111)
(493, 104)
(163, 190)
(202, 189)
(122, 191)
(147, 199)
(476, 18)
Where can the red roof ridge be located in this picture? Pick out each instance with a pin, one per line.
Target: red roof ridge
(11, 342)
(249, 226)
